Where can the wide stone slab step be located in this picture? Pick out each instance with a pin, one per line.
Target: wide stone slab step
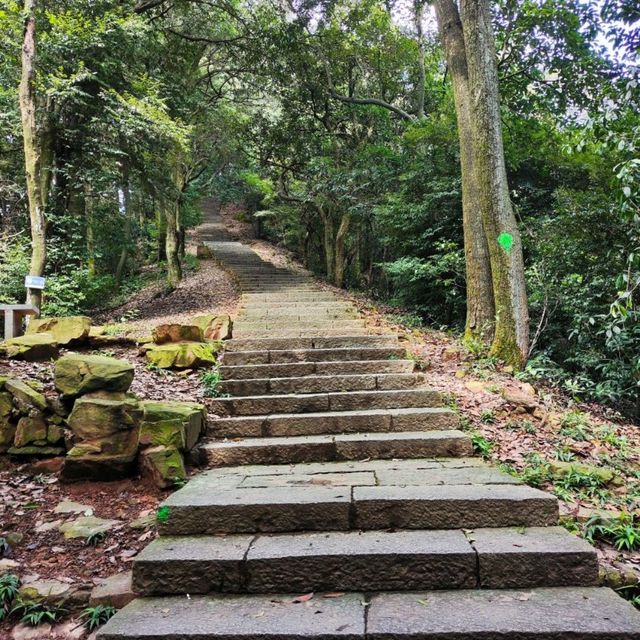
(370, 560)
(312, 343)
(339, 354)
(357, 446)
(556, 613)
(297, 369)
(212, 504)
(322, 383)
(314, 402)
(288, 333)
(365, 420)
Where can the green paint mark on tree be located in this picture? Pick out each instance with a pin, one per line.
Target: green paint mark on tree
(505, 240)
(162, 514)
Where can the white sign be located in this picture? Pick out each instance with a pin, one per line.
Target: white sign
(34, 282)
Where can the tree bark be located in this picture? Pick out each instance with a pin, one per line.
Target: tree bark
(329, 246)
(126, 206)
(480, 318)
(511, 340)
(340, 254)
(174, 269)
(89, 233)
(36, 175)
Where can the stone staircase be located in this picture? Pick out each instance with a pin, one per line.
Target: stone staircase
(336, 471)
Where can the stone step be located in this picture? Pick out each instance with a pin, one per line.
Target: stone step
(298, 313)
(366, 420)
(343, 342)
(553, 613)
(321, 448)
(322, 383)
(213, 503)
(297, 369)
(308, 296)
(296, 305)
(368, 561)
(335, 401)
(288, 333)
(283, 356)
(345, 326)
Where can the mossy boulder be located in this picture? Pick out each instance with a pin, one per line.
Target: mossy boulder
(164, 465)
(177, 424)
(558, 470)
(182, 355)
(31, 430)
(115, 444)
(97, 415)
(26, 396)
(77, 374)
(6, 406)
(7, 434)
(37, 347)
(65, 330)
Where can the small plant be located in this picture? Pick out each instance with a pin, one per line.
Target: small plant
(211, 380)
(9, 584)
(154, 368)
(487, 416)
(623, 531)
(574, 480)
(95, 538)
(94, 617)
(575, 425)
(37, 613)
(564, 455)
(4, 546)
(481, 445)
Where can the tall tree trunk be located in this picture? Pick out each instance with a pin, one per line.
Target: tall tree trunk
(37, 183)
(126, 210)
(329, 246)
(340, 254)
(89, 234)
(418, 7)
(174, 269)
(480, 319)
(511, 340)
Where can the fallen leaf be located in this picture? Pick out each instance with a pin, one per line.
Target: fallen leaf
(304, 598)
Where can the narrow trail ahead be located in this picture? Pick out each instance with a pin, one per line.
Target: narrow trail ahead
(337, 473)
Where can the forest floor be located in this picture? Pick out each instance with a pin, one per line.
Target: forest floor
(528, 429)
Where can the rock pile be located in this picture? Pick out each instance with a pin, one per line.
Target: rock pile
(105, 431)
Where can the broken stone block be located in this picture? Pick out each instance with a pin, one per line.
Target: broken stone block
(26, 396)
(116, 591)
(55, 433)
(30, 430)
(35, 450)
(98, 466)
(102, 414)
(177, 424)
(164, 465)
(605, 476)
(7, 434)
(182, 355)
(77, 374)
(65, 330)
(165, 333)
(38, 347)
(215, 327)
(115, 444)
(54, 592)
(6, 406)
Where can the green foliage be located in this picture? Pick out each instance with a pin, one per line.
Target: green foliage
(96, 538)
(94, 617)
(9, 584)
(481, 445)
(211, 379)
(622, 531)
(36, 613)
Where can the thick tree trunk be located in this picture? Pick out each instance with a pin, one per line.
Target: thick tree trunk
(126, 210)
(37, 182)
(89, 233)
(329, 246)
(174, 269)
(511, 340)
(480, 304)
(340, 252)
